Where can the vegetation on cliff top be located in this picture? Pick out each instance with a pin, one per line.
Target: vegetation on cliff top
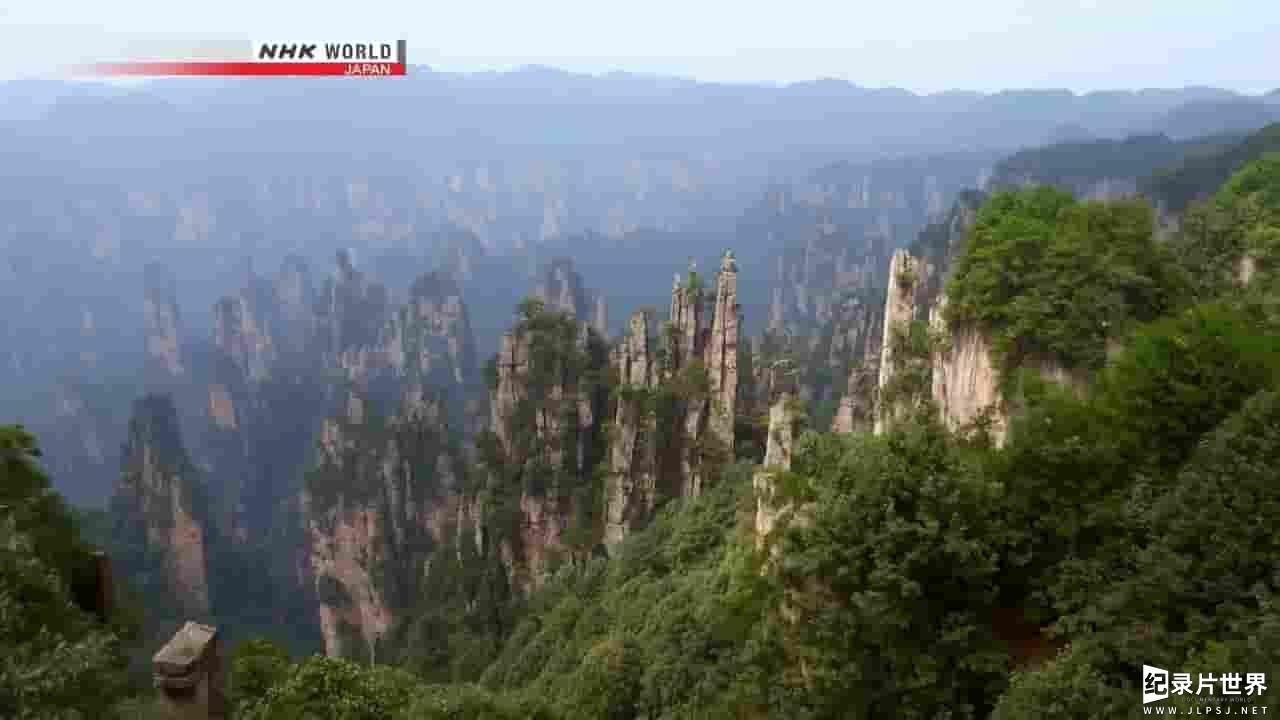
(1053, 279)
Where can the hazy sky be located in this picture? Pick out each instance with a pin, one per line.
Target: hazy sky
(922, 46)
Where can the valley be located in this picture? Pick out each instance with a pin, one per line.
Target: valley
(921, 420)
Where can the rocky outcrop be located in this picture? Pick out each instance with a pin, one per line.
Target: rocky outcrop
(683, 335)
(245, 329)
(676, 404)
(633, 453)
(722, 354)
(388, 483)
(777, 505)
(352, 311)
(951, 366)
(159, 501)
(966, 380)
(165, 357)
(857, 410)
(899, 305)
(546, 405)
(295, 298)
(905, 303)
(684, 348)
(691, 348)
(784, 418)
(429, 339)
(263, 396)
(383, 494)
(921, 356)
(561, 290)
(508, 390)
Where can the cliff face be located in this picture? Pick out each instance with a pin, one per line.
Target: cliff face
(384, 493)
(159, 501)
(857, 411)
(547, 398)
(244, 332)
(387, 391)
(784, 420)
(915, 280)
(263, 395)
(512, 366)
(633, 455)
(965, 383)
(923, 357)
(906, 303)
(388, 485)
(561, 289)
(429, 340)
(684, 334)
(351, 311)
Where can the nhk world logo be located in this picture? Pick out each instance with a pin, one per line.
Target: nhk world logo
(1226, 694)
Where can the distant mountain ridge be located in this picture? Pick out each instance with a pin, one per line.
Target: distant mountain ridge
(642, 109)
(1209, 117)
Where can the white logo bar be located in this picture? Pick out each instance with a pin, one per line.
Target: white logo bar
(325, 52)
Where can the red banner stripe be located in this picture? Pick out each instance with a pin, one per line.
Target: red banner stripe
(271, 69)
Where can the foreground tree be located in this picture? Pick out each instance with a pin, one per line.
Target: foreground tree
(56, 660)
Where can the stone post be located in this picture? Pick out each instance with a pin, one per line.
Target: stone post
(105, 600)
(188, 674)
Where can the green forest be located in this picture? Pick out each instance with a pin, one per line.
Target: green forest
(935, 575)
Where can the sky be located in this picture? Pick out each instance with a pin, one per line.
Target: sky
(983, 45)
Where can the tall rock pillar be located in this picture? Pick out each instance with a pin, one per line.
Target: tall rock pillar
(722, 354)
(784, 427)
(160, 500)
(165, 359)
(632, 489)
(903, 302)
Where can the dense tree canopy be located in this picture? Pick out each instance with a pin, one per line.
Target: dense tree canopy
(1053, 278)
(56, 659)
